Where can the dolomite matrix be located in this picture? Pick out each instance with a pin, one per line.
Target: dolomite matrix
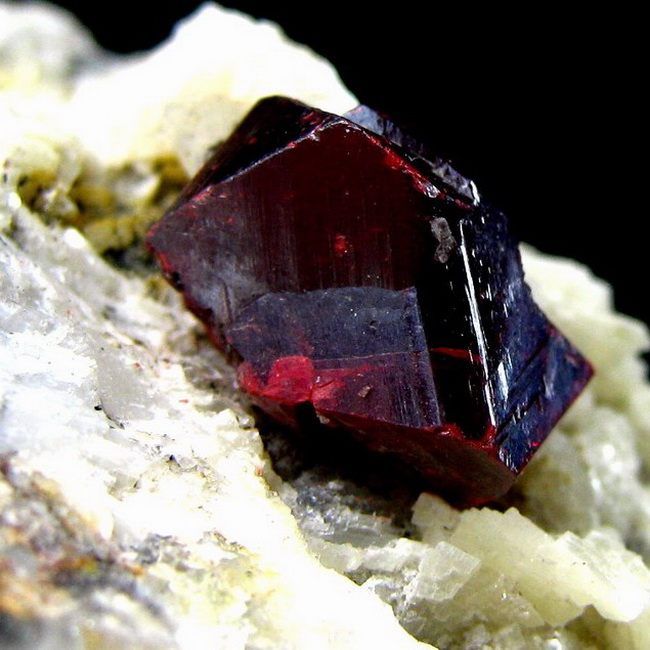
(352, 276)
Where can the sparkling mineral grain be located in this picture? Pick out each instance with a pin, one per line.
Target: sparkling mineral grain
(351, 275)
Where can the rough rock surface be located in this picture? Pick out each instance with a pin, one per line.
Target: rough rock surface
(138, 507)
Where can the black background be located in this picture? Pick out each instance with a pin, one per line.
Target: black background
(541, 106)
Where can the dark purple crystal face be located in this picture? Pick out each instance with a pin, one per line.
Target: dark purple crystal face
(338, 264)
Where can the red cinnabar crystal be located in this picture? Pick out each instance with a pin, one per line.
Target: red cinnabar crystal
(339, 265)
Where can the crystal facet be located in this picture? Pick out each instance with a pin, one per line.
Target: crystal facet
(340, 265)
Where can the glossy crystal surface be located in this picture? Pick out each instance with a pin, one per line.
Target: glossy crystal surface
(345, 269)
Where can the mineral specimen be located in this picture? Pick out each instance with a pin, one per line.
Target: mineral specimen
(341, 266)
(155, 522)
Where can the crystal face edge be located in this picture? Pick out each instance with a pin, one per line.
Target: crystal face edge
(337, 268)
